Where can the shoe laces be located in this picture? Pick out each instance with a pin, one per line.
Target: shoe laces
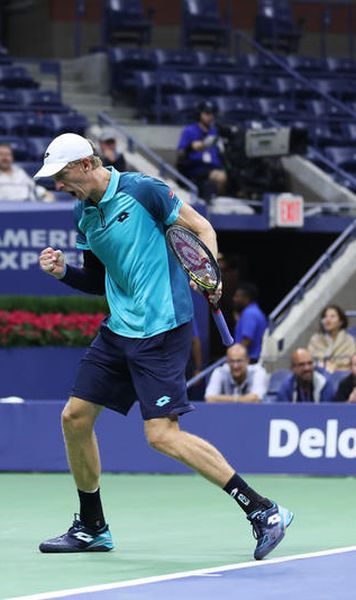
(257, 527)
(77, 524)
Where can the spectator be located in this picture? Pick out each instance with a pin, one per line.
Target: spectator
(347, 387)
(251, 321)
(198, 154)
(109, 153)
(333, 347)
(236, 380)
(15, 184)
(305, 384)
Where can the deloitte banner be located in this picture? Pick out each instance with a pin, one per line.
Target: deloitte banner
(25, 229)
(315, 440)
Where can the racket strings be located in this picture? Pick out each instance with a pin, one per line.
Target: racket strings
(194, 259)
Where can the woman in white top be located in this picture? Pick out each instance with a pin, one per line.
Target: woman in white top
(333, 347)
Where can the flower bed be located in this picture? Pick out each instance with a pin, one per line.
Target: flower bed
(24, 328)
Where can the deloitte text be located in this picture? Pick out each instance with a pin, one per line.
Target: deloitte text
(285, 438)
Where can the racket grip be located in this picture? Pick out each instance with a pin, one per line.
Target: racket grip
(220, 322)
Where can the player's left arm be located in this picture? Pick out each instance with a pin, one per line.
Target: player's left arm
(191, 219)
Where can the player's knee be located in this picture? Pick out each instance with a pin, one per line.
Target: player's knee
(158, 439)
(75, 421)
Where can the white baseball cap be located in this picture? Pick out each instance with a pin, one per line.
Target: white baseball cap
(62, 150)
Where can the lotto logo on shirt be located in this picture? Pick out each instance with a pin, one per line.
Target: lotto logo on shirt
(171, 194)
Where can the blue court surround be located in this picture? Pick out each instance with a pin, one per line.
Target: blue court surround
(326, 575)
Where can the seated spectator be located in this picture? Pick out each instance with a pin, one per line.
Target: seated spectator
(198, 154)
(15, 184)
(333, 347)
(305, 384)
(236, 380)
(109, 153)
(251, 321)
(347, 387)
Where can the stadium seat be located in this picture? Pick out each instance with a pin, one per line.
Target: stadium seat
(275, 27)
(42, 100)
(202, 24)
(11, 123)
(236, 109)
(324, 135)
(18, 145)
(207, 84)
(324, 110)
(348, 131)
(37, 147)
(341, 66)
(275, 382)
(175, 58)
(344, 158)
(16, 77)
(335, 379)
(216, 60)
(277, 108)
(125, 21)
(182, 108)
(64, 123)
(352, 331)
(306, 65)
(10, 99)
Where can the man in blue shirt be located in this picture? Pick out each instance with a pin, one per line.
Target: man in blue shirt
(198, 154)
(251, 322)
(142, 348)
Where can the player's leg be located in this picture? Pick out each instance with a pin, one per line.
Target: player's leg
(89, 532)
(102, 380)
(268, 519)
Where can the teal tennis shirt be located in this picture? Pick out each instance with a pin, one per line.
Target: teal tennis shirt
(147, 290)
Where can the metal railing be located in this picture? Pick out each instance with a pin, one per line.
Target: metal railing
(325, 261)
(164, 168)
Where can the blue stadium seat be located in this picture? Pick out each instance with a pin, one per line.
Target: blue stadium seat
(216, 60)
(285, 110)
(11, 122)
(123, 62)
(202, 24)
(18, 145)
(206, 83)
(12, 76)
(343, 90)
(37, 147)
(64, 123)
(348, 131)
(236, 109)
(352, 331)
(306, 65)
(275, 27)
(275, 382)
(31, 167)
(125, 21)
(10, 99)
(42, 100)
(182, 108)
(257, 63)
(325, 111)
(34, 124)
(324, 135)
(232, 84)
(341, 66)
(344, 158)
(335, 378)
(175, 58)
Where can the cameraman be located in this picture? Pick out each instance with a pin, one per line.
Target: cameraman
(198, 154)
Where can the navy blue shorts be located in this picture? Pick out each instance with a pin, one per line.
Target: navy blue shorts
(116, 371)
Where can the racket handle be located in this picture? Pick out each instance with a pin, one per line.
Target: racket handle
(220, 322)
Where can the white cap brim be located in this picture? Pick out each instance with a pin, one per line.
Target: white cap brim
(50, 170)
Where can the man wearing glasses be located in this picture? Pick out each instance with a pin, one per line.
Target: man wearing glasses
(237, 380)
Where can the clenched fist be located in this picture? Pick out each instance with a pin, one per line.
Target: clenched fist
(52, 262)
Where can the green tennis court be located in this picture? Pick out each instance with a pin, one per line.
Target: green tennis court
(161, 524)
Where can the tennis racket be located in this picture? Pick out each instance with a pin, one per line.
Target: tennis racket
(202, 268)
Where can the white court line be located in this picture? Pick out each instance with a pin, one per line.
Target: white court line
(182, 575)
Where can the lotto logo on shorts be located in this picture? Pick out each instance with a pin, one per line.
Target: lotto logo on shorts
(163, 401)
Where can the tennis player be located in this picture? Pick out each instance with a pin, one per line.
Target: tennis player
(142, 348)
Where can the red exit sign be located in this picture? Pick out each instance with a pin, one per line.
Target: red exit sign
(287, 211)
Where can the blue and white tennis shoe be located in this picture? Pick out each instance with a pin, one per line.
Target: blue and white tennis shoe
(80, 539)
(269, 527)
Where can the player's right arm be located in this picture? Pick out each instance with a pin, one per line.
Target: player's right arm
(90, 278)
